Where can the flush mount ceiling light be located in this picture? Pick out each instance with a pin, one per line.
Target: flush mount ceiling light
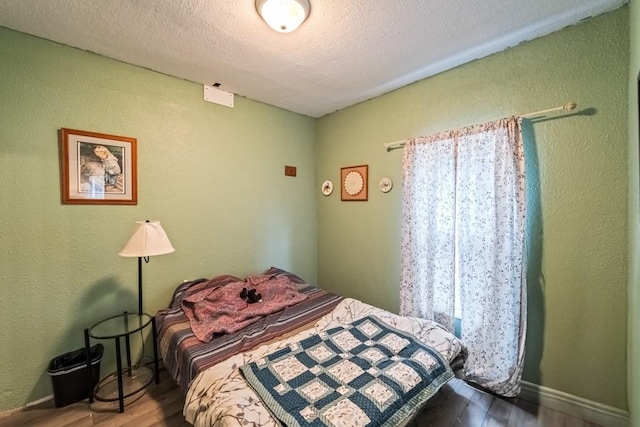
(283, 16)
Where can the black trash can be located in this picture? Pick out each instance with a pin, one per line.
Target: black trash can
(68, 374)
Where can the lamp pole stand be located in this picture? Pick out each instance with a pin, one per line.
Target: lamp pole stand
(139, 285)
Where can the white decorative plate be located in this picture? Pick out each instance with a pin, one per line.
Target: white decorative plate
(385, 185)
(327, 187)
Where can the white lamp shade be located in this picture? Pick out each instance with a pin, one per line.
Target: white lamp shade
(148, 239)
(283, 16)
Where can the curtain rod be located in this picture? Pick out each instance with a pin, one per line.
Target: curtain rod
(566, 107)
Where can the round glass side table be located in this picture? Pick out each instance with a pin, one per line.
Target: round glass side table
(127, 381)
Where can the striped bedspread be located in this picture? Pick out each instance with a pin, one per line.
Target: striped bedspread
(185, 356)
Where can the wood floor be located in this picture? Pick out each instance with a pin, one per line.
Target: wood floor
(456, 404)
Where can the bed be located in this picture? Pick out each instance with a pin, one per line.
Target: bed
(320, 359)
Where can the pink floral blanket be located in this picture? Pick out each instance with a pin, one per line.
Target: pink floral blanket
(220, 309)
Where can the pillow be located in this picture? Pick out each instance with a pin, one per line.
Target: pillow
(275, 271)
(189, 288)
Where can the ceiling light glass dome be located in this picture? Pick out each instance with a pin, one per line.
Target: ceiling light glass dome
(283, 16)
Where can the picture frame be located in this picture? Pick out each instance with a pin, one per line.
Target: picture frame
(98, 168)
(354, 183)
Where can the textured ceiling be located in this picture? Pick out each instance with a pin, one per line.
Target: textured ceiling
(348, 51)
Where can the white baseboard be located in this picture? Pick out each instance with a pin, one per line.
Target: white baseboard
(21, 408)
(597, 413)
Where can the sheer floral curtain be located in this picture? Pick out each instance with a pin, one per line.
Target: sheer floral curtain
(463, 244)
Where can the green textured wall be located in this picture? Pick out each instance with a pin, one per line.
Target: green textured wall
(213, 176)
(634, 217)
(577, 188)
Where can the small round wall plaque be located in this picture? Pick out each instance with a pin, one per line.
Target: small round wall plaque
(385, 185)
(327, 187)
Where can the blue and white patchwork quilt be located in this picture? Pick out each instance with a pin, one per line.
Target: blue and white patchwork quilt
(365, 373)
